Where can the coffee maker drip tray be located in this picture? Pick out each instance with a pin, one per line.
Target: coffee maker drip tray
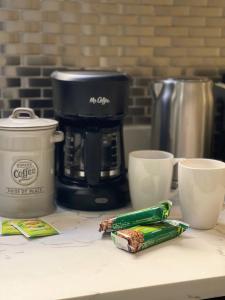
(108, 195)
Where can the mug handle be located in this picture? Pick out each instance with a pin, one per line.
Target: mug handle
(174, 185)
(177, 160)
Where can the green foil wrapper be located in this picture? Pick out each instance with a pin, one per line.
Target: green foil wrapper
(149, 215)
(140, 237)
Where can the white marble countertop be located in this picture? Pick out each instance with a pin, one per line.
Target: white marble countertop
(80, 263)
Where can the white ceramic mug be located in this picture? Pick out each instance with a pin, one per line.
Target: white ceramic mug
(201, 191)
(150, 177)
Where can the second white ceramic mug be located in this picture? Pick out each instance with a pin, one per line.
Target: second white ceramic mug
(201, 191)
(150, 177)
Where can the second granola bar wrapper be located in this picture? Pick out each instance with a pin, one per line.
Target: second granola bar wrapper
(149, 215)
(141, 237)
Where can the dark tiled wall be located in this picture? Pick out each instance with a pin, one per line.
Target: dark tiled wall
(144, 38)
(30, 86)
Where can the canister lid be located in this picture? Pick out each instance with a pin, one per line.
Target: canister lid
(23, 118)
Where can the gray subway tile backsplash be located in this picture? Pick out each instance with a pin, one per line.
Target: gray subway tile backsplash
(26, 93)
(143, 101)
(136, 110)
(2, 48)
(6, 113)
(39, 60)
(137, 91)
(14, 103)
(49, 71)
(48, 113)
(13, 82)
(1, 104)
(38, 112)
(141, 119)
(41, 103)
(141, 81)
(28, 71)
(47, 93)
(13, 60)
(40, 82)
(39, 37)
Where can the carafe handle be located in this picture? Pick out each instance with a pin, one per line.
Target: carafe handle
(92, 157)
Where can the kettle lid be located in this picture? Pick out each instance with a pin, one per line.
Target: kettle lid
(192, 79)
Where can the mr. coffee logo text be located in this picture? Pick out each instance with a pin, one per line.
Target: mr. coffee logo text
(24, 172)
(99, 100)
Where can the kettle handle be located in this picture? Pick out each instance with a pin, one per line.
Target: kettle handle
(152, 90)
(166, 87)
(23, 113)
(160, 137)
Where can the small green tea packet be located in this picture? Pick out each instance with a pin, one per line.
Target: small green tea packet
(33, 228)
(8, 228)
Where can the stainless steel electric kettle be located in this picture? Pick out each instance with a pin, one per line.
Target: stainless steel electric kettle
(182, 116)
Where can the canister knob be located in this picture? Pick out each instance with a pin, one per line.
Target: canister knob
(23, 113)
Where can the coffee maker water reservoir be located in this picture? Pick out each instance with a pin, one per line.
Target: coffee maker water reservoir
(90, 107)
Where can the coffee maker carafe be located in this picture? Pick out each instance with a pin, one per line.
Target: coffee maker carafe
(90, 107)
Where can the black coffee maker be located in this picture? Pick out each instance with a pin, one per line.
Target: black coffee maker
(90, 107)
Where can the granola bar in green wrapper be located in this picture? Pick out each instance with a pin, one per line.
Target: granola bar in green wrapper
(32, 228)
(8, 228)
(149, 215)
(140, 237)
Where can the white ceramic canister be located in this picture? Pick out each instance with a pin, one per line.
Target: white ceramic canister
(27, 164)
